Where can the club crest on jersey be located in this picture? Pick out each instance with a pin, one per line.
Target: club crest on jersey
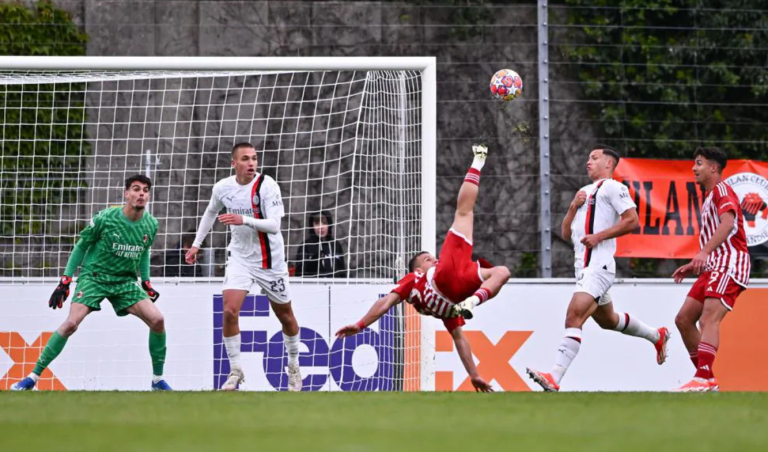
(752, 190)
(256, 200)
(80, 294)
(146, 237)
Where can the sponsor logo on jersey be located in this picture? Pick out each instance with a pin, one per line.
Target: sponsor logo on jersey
(752, 190)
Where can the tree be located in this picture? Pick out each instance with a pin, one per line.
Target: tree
(43, 133)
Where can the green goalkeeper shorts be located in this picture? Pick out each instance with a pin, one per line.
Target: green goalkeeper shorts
(121, 295)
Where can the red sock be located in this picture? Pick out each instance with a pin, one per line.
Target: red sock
(706, 360)
(694, 358)
(473, 177)
(483, 294)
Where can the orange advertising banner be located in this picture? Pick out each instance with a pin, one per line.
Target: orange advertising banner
(669, 205)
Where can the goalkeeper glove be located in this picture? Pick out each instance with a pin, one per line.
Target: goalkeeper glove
(61, 293)
(153, 294)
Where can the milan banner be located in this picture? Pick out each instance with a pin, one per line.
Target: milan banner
(669, 205)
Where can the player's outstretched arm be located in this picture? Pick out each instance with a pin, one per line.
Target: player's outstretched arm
(727, 220)
(629, 221)
(267, 225)
(144, 270)
(206, 223)
(88, 237)
(465, 353)
(378, 309)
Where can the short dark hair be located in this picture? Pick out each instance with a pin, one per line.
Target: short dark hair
(713, 153)
(138, 178)
(610, 152)
(412, 262)
(241, 145)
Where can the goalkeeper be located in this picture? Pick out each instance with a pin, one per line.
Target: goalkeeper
(113, 247)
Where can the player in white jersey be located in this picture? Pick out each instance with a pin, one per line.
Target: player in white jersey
(599, 213)
(256, 255)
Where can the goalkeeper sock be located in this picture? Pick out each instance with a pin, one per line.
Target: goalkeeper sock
(233, 350)
(567, 351)
(292, 347)
(52, 349)
(157, 352)
(634, 327)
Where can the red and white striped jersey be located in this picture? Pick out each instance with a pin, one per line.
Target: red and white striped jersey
(417, 290)
(260, 199)
(732, 256)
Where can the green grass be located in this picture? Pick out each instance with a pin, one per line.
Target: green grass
(393, 422)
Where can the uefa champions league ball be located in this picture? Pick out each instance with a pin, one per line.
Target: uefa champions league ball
(506, 84)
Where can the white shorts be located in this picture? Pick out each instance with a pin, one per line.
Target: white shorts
(274, 284)
(596, 282)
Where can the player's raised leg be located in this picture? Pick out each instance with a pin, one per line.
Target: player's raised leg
(463, 219)
(686, 321)
(233, 301)
(153, 318)
(608, 319)
(284, 313)
(77, 313)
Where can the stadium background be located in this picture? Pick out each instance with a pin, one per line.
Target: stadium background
(651, 80)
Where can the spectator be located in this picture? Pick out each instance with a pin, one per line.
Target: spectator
(174, 263)
(321, 255)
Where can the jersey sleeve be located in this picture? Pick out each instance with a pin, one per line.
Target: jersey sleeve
(725, 203)
(619, 198)
(404, 286)
(272, 200)
(88, 237)
(453, 323)
(209, 217)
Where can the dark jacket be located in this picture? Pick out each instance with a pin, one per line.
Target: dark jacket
(321, 258)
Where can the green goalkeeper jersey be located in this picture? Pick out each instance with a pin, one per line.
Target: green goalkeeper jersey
(114, 247)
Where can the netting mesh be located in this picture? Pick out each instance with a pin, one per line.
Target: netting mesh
(344, 142)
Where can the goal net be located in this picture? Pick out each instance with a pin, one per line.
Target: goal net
(346, 144)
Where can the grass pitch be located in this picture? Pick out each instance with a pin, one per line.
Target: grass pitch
(214, 421)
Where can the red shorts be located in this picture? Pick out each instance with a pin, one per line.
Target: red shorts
(456, 275)
(716, 285)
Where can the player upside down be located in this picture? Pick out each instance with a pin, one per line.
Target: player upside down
(452, 287)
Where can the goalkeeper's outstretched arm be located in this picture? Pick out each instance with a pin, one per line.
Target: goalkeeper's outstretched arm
(378, 309)
(88, 237)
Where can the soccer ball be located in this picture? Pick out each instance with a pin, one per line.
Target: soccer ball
(506, 84)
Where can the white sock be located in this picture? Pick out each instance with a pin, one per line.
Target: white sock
(477, 163)
(233, 350)
(292, 347)
(35, 377)
(568, 350)
(157, 378)
(633, 327)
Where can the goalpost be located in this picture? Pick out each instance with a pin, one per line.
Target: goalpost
(354, 137)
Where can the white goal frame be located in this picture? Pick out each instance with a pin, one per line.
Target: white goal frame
(426, 66)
